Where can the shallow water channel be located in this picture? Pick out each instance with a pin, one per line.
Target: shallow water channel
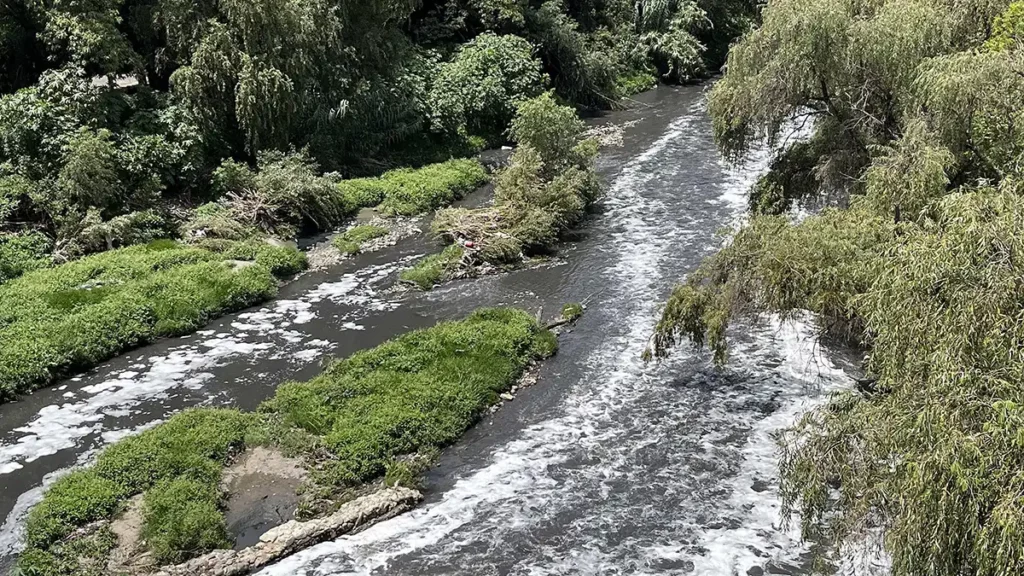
(607, 466)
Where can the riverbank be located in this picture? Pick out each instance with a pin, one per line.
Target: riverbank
(377, 414)
(58, 321)
(536, 480)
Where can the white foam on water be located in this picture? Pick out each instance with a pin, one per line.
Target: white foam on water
(256, 334)
(12, 533)
(760, 534)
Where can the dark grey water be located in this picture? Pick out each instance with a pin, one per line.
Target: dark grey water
(607, 466)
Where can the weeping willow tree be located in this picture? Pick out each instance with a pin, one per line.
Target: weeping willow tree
(923, 267)
(846, 66)
(666, 30)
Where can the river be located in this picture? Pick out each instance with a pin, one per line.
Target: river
(607, 466)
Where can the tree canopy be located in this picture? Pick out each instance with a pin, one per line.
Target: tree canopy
(124, 109)
(919, 262)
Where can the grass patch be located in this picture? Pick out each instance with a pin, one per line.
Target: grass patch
(20, 253)
(409, 191)
(57, 321)
(367, 413)
(352, 239)
(418, 391)
(433, 268)
(181, 515)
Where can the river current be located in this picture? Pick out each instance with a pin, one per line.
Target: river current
(607, 466)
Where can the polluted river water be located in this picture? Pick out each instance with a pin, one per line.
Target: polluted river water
(607, 466)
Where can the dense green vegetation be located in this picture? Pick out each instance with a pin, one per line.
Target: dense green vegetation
(545, 190)
(411, 395)
(917, 116)
(285, 194)
(120, 117)
(56, 321)
(350, 241)
(434, 268)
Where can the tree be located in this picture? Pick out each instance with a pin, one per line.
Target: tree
(920, 267)
(477, 92)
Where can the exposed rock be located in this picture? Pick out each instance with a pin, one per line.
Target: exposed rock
(293, 536)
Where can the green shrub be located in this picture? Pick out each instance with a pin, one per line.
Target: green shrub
(476, 93)
(1007, 29)
(77, 499)
(83, 556)
(432, 269)
(191, 444)
(543, 192)
(59, 320)
(282, 196)
(415, 191)
(634, 83)
(216, 220)
(361, 193)
(182, 519)
(352, 239)
(400, 474)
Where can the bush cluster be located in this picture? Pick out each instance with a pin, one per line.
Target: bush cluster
(411, 395)
(20, 253)
(57, 321)
(544, 191)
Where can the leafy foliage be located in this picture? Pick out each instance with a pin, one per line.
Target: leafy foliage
(542, 193)
(20, 253)
(116, 114)
(478, 90)
(182, 518)
(920, 266)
